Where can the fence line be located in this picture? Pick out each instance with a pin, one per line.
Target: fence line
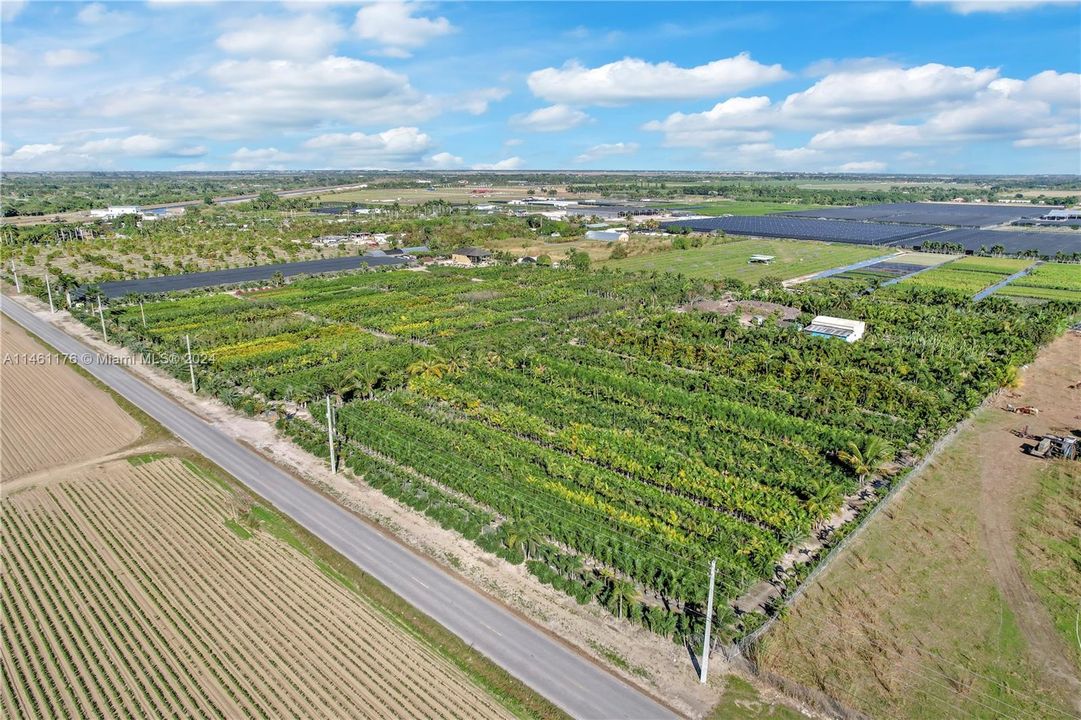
(748, 641)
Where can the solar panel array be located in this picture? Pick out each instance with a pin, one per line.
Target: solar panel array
(971, 215)
(211, 278)
(1014, 241)
(861, 233)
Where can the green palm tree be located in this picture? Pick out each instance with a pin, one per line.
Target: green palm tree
(623, 593)
(867, 458)
(523, 536)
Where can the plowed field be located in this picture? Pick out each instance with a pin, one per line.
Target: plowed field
(141, 588)
(49, 414)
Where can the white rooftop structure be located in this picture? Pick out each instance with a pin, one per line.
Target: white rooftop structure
(608, 235)
(114, 211)
(840, 328)
(1065, 214)
(765, 259)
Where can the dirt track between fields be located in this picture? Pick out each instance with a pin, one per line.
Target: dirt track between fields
(1005, 483)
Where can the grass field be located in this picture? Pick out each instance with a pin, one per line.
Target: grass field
(969, 274)
(1049, 281)
(1050, 549)
(794, 258)
(913, 621)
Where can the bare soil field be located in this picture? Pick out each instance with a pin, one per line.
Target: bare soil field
(223, 615)
(932, 612)
(49, 414)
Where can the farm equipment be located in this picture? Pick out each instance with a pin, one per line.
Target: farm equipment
(1054, 446)
(1023, 409)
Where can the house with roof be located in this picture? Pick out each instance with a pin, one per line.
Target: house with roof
(836, 328)
(470, 256)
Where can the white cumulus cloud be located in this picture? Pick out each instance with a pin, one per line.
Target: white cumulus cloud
(606, 150)
(632, 79)
(392, 25)
(305, 36)
(445, 161)
(141, 146)
(862, 166)
(68, 57)
(968, 7)
(885, 92)
(511, 163)
(553, 118)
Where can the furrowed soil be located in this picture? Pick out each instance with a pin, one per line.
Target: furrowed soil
(959, 600)
(140, 583)
(49, 415)
(222, 614)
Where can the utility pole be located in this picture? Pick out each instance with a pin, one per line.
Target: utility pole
(101, 314)
(709, 621)
(330, 437)
(191, 365)
(142, 312)
(49, 289)
(18, 287)
(67, 294)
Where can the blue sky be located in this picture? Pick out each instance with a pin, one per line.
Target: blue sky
(926, 86)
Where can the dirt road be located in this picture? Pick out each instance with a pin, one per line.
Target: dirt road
(1005, 483)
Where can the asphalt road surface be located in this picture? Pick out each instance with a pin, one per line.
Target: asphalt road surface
(569, 681)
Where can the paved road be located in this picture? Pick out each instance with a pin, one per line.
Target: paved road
(576, 685)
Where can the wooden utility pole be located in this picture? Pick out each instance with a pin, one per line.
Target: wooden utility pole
(101, 314)
(191, 365)
(709, 621)
(330, 437)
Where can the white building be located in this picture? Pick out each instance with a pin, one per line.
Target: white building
(616, 235)
(1063, 215)
(114, 211)
(839, 328)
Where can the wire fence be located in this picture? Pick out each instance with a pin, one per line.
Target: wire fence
(748, 641)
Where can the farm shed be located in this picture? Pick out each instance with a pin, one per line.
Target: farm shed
(840, 328)
(762, 259)
(469, 256)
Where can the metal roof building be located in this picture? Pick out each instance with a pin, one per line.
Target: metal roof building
(837, 328)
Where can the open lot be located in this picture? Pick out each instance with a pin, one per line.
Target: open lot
(794, 258)
(959, 600)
